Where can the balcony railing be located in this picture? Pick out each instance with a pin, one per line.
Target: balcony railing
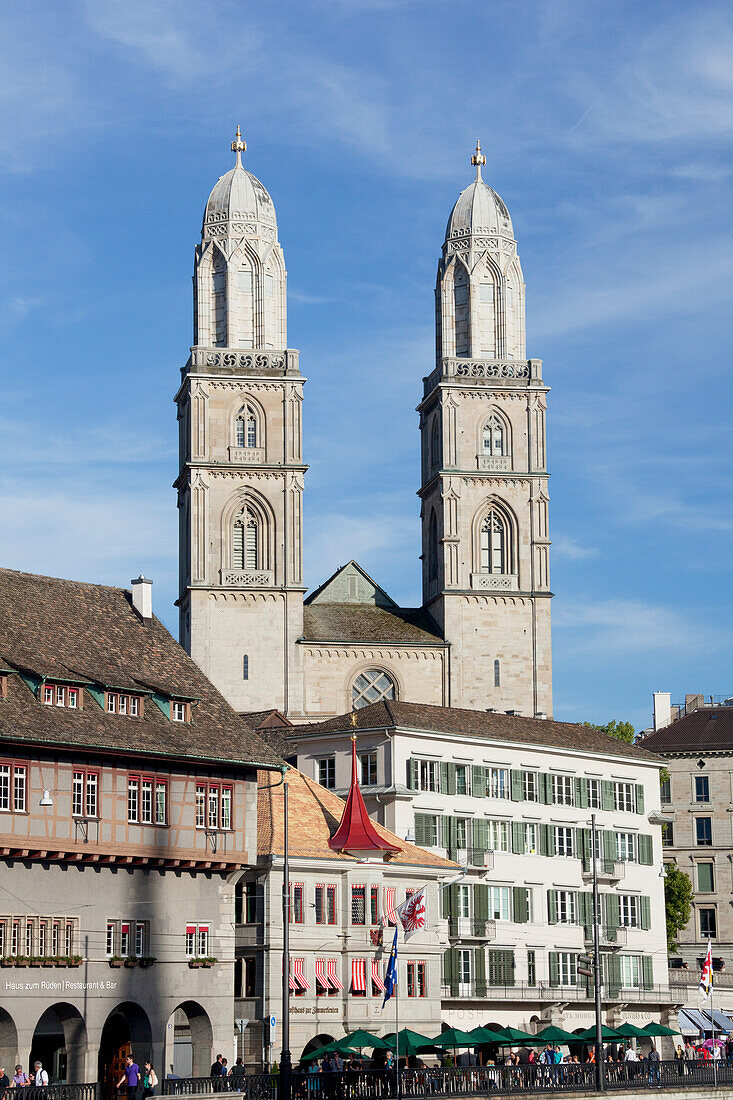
(472, 857)
(471, 928)
(608, 937)
(543, 991)
(250, 361)
(607, 870)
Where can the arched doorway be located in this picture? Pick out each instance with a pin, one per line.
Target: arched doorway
(60, 1043)
(126, 1031)
(189, 1049)
(8, 1040)
(316, 1044)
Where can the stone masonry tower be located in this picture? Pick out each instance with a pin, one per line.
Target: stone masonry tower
(241, 481)
(484, 471)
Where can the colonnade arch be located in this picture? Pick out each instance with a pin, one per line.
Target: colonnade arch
(189, 1049)
(60, 1042)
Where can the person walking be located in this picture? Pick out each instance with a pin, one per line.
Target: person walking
(216, 1071)
(653, 1077)
(130, 1078)
(20, 1078)
(150, 1080)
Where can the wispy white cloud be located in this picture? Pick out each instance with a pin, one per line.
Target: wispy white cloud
(627, 626)
(564, 546)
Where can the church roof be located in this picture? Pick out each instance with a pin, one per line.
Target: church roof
(478, 209)
(90, 635)
(356, 832)
(317, 813)
(340, 622)
(477, 723)
(237, 197)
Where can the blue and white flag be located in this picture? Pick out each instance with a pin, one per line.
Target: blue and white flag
(390, 978)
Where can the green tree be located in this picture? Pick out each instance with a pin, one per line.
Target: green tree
(677, 903)
(622, 731)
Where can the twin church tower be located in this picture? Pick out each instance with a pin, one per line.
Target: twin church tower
(481, 638)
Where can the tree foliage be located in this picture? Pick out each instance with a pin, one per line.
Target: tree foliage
(622, 731)
(678, 903)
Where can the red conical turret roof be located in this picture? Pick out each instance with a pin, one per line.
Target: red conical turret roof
(356, 832)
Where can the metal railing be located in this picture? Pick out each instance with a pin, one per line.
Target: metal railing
(58, 1092)
(511, 991)
(254, 1086)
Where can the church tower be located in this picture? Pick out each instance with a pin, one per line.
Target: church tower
(484, 471)
(240, 484)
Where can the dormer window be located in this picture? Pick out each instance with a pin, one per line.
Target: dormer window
(57, 695)
(180, 712)
(119, 703)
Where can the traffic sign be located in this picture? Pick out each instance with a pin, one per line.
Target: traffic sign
(273, 1030)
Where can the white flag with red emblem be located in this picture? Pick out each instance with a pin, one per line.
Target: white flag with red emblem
(412, 913)
(706, 976)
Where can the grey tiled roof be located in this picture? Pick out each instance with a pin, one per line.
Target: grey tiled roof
(343, 622)
(90, 634)
(705, 729)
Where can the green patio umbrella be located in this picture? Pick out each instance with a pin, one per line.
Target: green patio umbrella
(454, 1037)
(340, 1046)
(514, 1035)
(608, 1034)
(486, 1035)
(410, 1042)
(363, 1039)
(630, 1031)
(554, 1035)
(659, 1029)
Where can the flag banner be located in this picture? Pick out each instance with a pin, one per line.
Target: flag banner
(706, 976)
(390, 978)
(412, 913)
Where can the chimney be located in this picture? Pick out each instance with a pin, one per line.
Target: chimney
(142, 596)
(662, 709)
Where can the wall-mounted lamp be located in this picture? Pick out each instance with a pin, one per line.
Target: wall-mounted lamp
(46, 799)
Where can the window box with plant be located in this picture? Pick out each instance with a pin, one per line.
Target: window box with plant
(21, 960)
(74, 960)
(116, 961)
(195, 964)
(146, 961)
(9, 961)
(131, 961)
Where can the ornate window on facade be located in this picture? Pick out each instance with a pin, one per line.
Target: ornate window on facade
(246, 428)
(371, 686)
(494, 439)
(433, 548)
(494, 545)
(435, 445)
(247, 541)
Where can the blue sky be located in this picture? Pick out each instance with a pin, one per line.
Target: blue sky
(607, 129)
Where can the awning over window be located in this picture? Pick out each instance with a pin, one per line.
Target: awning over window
(376, 976)
(721, 1021)
(298, 973)
(389, 904)
(692, 1021)
(321, 978)
(332, 975)
(190, 929)
(358, 975)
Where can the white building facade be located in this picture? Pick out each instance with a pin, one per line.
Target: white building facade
(511, 799)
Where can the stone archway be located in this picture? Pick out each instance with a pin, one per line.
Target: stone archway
(126, 1031)
(60, 1043)
(8, 1040)
(189, 1048)
(316, 1044)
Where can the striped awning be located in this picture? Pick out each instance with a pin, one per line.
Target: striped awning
(298, 973)
(332, 975)
(358, 975)
(321, 974)
(389, 905)
(376, 976)
(692, 1021)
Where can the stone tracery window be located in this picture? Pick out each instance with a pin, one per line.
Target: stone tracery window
(371, 686)
(494, 436)
(494, 545)
(247, 541)
(433, 548)
(246, 428)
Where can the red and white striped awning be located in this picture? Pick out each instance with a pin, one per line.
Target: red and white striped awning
(332, 975)
(292, 983)
(321, 974)
(190, 929)
(389, 904)
(358, 975)
(298, 973)
(376, 976)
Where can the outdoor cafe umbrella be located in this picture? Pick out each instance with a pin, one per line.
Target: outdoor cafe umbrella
(363, 1038)
(608, 1034)
(481, 1035)
(659, 1029)
(513, 1035)
(410, 1042)
(630, 1031)
(338, 1046)
(453, 1037)
(554, 1035)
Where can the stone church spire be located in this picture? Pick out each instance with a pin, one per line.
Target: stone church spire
(484, 468)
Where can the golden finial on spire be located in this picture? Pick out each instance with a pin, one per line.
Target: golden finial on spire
(353, 723)
(239, 146)
(477, 159)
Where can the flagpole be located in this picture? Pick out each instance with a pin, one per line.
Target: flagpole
(397, 1025)
(712, 1018)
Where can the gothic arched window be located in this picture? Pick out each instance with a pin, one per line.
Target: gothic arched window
(433, 548)
(220, 301)
(247, 541)
(494, 439)
(497, 674)
(495, 543)
(247, 428)
(370, 686)
(435, 444)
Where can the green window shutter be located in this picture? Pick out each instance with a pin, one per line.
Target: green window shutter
(443, 777)
(609, 845)
(585, 909)
(517, 785)
(645, 914)
(645, 850)
(479, 781)
(546, 840)
(420, 830)
(581, 792)
(607, 800)
(647, 971)
(520, 909)
(479, 964)
(412, 775)
(481, 901)
(584, 845)
(450, 969)
(445, 831)
(518, 837)
(639, 798)
(613, 912)
(554, 968)
(552, 906)
(613, 975)
(545, 786)
(445, 903)
(451, 779)
(481, 834)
